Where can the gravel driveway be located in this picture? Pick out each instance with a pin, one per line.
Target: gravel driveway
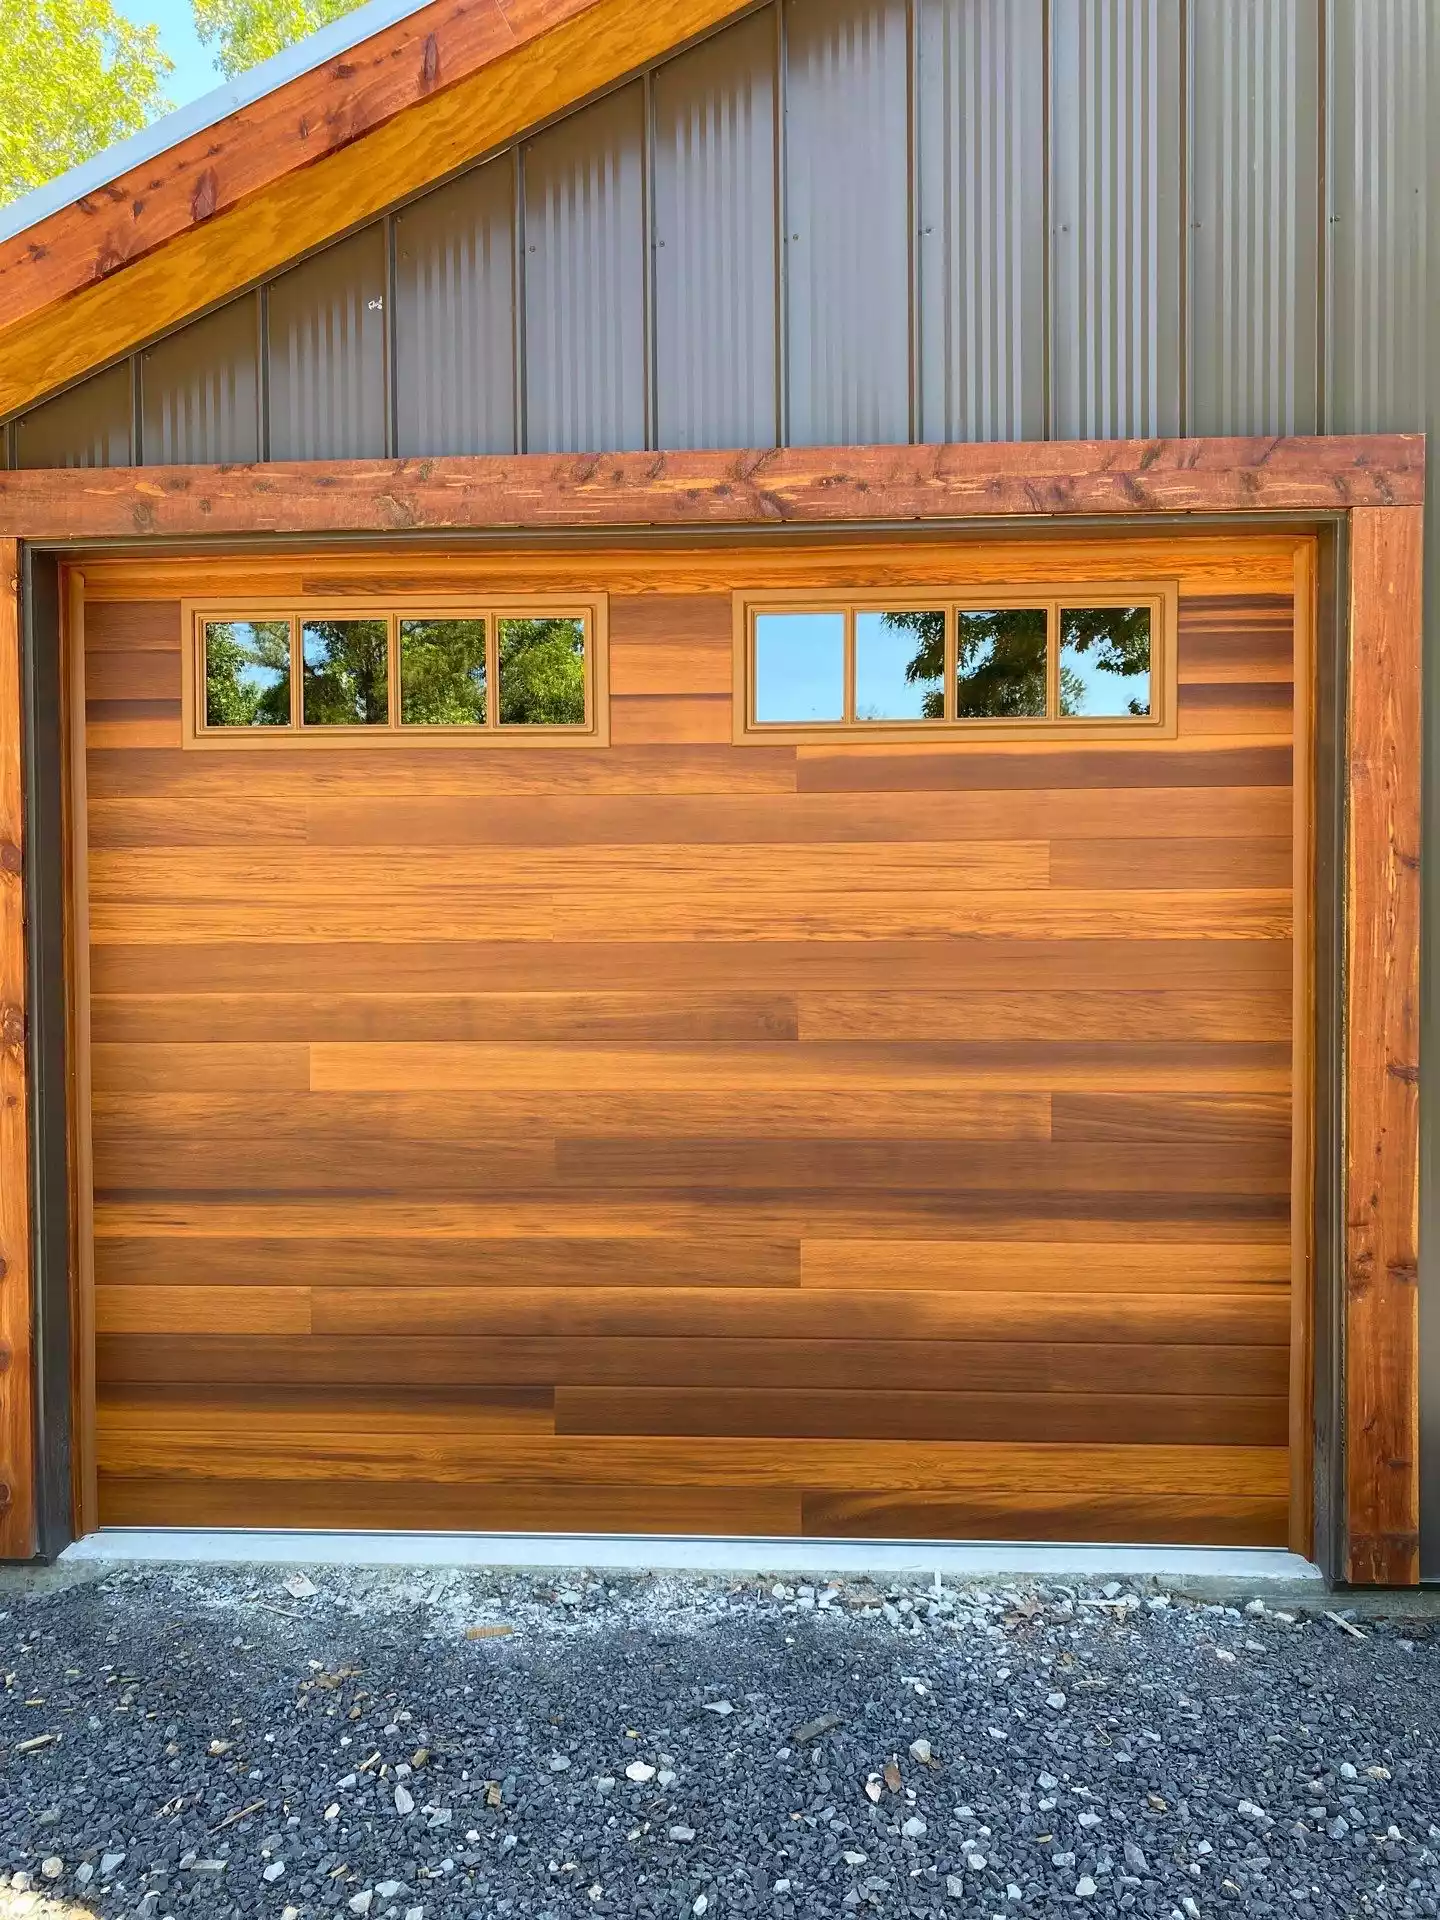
(240, 1741)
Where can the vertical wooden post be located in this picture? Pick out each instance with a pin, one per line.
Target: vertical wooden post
(17, 1443)
(1382, 1048)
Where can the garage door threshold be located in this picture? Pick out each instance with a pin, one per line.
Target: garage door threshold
(691, 1553)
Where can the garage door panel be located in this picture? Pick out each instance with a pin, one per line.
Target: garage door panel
(803, 1314)
(1217, 762)
(237, 1018)
(819, 1066)
(684, 1135)
(1025, 1366)
(219, 1260)
(972, 963)
(805, 1413)
(1178, 1519)
(755, 820)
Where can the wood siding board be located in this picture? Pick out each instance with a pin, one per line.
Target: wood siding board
(1382, 1049)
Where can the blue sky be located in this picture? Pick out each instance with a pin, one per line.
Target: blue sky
(195, 73)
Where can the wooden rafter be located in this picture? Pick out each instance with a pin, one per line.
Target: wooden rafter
(332, 149)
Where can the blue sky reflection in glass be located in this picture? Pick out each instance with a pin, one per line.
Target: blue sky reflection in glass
(1105, 662)
(799, 667)
(900, 665)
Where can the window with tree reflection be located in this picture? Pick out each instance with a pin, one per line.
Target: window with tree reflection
(443, 673)
(542, 673)
(1105, 662)
(247, 673)
(346, 673)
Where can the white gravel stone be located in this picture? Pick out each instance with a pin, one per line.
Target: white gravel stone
(404, 1800)
(52, 1866)
(639, 1771)
(361, 1902)
(274, 1871)
(1085, 1888)
(914, 1828)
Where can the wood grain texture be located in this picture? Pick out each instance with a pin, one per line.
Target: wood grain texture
(17, 1512)
(926, 1111)
(237, 201)
(760, 487)
(1382, 1049)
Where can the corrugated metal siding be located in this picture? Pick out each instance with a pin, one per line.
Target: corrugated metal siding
(714, 242)
(1116, 212)
(87, 427)
(455, 316)
(1376, 339)
(1253, 282)
(326, 332)
(847, 221)
(1007, 218)
(586, 358)
(981, 216)
(200, 390)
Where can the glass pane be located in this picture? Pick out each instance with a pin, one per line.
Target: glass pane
(247, 673)
(542, 673)
(799, 667)
(1000, 664)
(442, 673)
(1105, 662)
(347, 666)
(900, 666)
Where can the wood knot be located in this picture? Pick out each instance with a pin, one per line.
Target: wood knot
(11, 859)
(207, 192)
(430, 64)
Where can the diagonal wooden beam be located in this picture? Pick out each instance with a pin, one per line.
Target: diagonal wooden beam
(316, 158)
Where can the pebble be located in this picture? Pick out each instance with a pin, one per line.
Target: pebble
(1152, 1770)
(52, 1867)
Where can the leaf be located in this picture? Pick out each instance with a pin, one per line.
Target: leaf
(487, 1631)
(892, 1776)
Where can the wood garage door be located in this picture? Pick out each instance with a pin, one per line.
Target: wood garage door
(675, 1135)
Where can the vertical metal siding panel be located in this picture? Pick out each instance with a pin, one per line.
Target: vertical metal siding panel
(1377, 321)
(454, 316)
(585, 280)
(714, 197)
(1253, 283)
(200, 390)
(981, 216)
(88, 426)
(847, 250)
(1117, 114)
(327, 353)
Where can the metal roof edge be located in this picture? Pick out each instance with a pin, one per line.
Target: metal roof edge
(289, 64)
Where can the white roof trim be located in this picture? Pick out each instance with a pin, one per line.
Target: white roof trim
(339, 37)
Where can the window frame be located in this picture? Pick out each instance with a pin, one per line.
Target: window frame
(592, 608)
(1159, 595)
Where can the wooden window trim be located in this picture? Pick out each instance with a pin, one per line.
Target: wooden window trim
(1161, 596)
(592, 608)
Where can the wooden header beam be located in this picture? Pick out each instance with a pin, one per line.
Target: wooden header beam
(794, 486)
(1376, 482)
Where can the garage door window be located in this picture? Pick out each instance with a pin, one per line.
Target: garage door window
(511, 672)
(1062, 662)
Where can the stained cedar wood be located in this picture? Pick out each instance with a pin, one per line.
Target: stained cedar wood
(765, 487)
(17, 1513)
(616, 1161)
(290, 173)
(1382, 1038)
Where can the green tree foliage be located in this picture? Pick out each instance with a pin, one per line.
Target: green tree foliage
(1118, 641)
(347, 665)
(542, 673)
(442, 673)
(1000, 658)
(245, 32)
(76, 76)
(247, 673)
